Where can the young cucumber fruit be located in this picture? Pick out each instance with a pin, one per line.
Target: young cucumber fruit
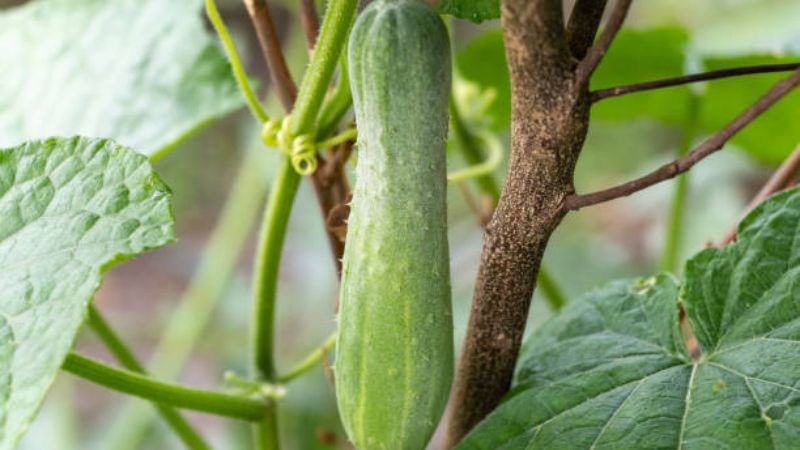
(394, 357)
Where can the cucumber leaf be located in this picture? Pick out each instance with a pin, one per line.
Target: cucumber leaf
(143, 72)
(70, 209)
(611, 370)
(474, 10)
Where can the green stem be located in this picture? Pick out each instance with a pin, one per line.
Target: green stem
(266, 432)
(199, 300)
(333, 33)
(267, 264)
(674, 231)
(338, 19)
(125, 356)
(236, 64)
(309, 361)
(347, 135)
(338, 102)
(332, 36)
(138, 385)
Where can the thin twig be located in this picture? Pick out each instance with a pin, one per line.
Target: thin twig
(596, 52)
(601, 94)
(582, 26)
(779, 180)
(310, 20)
(271, 48)
(681, 165)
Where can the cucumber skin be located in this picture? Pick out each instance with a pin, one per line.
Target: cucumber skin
(394, 362)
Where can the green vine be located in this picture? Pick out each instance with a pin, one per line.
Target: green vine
(236, 64)
(128, 382)
(335, 26)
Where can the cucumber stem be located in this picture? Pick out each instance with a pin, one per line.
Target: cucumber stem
(335, 26)
(164, 393)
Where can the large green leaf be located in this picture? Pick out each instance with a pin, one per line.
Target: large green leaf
(70, 208)
(143, 72)
(474, 10)
(611, 371)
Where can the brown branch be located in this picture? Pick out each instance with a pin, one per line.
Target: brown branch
(596, 52)
(681, 165)
(601, 94)
(779, 180)
(549, 123)
(310, 20)
(330, 185)
(338, 160)
(273, 55)
(582, 26)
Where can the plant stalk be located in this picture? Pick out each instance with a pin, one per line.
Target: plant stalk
(175, 395)
(335, 26)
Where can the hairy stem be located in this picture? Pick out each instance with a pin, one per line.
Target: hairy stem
(336, 24)
(175, 395)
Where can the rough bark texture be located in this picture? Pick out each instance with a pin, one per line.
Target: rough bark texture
(583, 23)
(549, 124)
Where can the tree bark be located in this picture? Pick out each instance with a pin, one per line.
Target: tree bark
(549, 125)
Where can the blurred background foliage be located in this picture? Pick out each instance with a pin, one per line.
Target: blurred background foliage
(625, 238)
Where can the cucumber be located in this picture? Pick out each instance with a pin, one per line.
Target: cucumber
(394, 357)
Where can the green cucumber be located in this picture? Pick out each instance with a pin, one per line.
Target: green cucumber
(394, 357)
